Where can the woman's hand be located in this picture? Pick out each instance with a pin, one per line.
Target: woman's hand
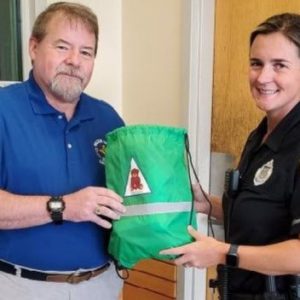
(200, 202)
(203, 253)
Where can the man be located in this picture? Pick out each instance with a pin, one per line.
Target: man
(54, 208)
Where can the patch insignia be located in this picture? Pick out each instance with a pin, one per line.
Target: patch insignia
(263, 173)
(136, 183)
(100, 147)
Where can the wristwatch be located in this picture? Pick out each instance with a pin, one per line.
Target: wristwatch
(56, 206)
(232, 258)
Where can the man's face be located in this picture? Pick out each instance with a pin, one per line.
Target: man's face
(63, 61)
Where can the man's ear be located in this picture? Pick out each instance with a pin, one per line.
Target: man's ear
(32, 48)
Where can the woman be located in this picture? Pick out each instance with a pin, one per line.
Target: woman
(261, 251)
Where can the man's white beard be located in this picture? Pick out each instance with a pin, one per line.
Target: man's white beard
(66, 87)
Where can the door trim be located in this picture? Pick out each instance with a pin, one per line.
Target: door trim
(192, 282)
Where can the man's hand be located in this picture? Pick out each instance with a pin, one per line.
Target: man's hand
(94, 204)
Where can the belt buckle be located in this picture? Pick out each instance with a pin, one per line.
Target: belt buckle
(76, 278)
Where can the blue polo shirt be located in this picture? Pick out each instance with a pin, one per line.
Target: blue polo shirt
(41, 153)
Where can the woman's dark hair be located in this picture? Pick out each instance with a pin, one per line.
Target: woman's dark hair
(287, 23)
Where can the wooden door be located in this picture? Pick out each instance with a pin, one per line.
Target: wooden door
(151, 280)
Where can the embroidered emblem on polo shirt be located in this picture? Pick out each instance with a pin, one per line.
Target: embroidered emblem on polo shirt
(263, 173)
(100, 147)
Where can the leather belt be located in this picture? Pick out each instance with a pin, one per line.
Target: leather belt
(73, 278)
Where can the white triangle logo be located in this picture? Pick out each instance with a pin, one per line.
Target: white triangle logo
(136, 183)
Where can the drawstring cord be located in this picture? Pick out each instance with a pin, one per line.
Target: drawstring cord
(190, 163)
(122, 272)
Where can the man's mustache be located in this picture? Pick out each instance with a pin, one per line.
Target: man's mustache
(69, 72)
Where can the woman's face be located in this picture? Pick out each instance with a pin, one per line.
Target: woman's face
(274, 74)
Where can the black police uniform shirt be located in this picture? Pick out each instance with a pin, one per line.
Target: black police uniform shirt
(266, 208)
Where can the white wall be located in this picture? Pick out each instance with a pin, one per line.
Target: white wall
(152, 62)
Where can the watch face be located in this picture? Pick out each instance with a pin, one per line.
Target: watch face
(232, 260)
(56, 205)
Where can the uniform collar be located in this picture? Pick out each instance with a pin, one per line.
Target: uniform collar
(40, 105)
(281, 130)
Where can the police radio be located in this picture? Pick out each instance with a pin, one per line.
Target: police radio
(231, 183)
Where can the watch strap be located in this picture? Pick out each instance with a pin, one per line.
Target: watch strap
(57, 217)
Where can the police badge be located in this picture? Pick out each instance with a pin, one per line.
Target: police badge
(263, 173)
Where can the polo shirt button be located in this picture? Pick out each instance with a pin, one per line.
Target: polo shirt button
(60, 117)
(69, 146)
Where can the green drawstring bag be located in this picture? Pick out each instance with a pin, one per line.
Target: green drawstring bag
(148, 166)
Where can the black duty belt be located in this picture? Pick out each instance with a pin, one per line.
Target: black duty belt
(267, 296)
(74, 277)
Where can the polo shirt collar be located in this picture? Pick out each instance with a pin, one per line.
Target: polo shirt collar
(40, 105)
(276, 137)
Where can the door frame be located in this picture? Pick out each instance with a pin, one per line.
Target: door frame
(29, 11)
(192, 282)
